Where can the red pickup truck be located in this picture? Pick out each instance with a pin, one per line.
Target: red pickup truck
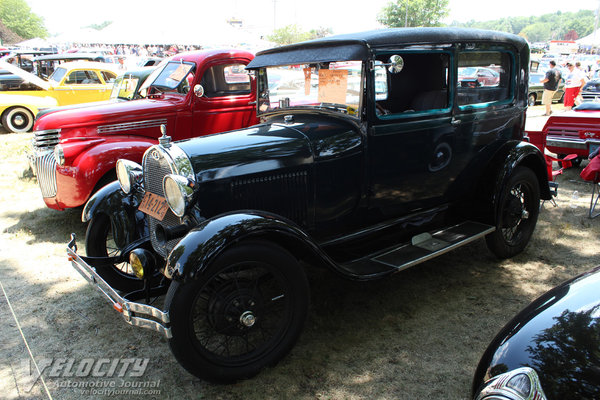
(192, 94)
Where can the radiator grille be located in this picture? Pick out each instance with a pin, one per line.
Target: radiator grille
(156, 167)
(563, 132)
(45, 165)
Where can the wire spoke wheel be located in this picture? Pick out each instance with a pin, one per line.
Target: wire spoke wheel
(244, 313)
(100, 242)
(518, 211)
(241, 312)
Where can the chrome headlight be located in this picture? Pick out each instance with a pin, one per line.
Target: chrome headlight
(178, 191)
(129, 174)
(518, 384)
(59, 155)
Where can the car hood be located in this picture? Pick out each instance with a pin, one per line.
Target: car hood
(558, 335)
(274, 146)
(106, 113)
(78, 106)
(26, 76)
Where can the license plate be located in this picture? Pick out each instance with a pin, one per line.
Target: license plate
(154, 205)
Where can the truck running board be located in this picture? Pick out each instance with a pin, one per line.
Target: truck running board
(422, 247)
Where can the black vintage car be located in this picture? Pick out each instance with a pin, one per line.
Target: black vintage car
(549, 350)
(370, 159)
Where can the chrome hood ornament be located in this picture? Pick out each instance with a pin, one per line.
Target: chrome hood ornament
(164, 140)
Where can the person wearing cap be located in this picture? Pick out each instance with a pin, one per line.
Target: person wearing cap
(550, 82)
(574, 82)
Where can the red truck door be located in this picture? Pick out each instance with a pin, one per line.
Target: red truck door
(228, 101)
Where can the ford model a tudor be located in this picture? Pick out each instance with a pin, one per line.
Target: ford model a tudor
(371, 157)
(75, 149)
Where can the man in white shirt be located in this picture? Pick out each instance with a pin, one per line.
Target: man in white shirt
(575, 80)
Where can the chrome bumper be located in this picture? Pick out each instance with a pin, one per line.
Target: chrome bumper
(571, 143)
(132, 312)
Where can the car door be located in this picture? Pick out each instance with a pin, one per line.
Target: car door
(82, 86)
(228, 101)
(486, 116)
(413, 148)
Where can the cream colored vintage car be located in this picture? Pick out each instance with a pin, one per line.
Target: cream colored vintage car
(71, 83)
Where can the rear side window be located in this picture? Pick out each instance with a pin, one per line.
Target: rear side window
(226, 80)
(483, 77)
(108, 77)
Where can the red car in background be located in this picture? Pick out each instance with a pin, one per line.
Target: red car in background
(483, 76)
(192, 94)
(574, 132)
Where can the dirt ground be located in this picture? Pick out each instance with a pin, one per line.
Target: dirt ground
(416, 335)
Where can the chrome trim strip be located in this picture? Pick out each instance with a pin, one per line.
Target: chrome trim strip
(132, 311)
(126, 126)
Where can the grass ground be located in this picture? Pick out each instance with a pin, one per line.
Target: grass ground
(416, 335)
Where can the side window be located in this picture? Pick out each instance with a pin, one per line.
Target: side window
(421, 85)
(226, 80)
(82, 78)
(483, 77)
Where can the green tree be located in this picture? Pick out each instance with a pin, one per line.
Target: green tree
(287, 35)
(413, 13)
(17, 17)
(538, 32)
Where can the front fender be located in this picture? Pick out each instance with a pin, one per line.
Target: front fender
(88, 161)
(121, 209)
(205, 242)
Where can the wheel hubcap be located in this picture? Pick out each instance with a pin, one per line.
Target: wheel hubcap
(19, 120)
(248, 319)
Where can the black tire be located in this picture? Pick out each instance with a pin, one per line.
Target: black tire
(99, 242)
(518, 210)
(243, 314)
(531, 100)
(17, 120)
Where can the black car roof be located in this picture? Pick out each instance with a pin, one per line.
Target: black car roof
(356, 46)
(70, 57)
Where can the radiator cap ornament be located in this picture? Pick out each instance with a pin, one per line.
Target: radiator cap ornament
(164, 140)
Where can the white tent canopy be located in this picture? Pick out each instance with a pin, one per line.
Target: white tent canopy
(592, 39)
(213, 35)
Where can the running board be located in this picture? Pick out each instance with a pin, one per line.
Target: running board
(422, 247)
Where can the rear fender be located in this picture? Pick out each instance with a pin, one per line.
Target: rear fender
(192, 255)
(122, 210)
(483, 199)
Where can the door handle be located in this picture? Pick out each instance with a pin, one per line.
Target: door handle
(455, 122)
(251, 103)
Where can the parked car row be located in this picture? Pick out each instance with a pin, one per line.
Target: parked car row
(70, 83)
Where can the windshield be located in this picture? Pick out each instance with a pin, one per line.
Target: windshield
(333, 86)
(175, 77)
(57, 75)
(124, 87)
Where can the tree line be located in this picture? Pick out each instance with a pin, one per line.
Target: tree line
(18, 17)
